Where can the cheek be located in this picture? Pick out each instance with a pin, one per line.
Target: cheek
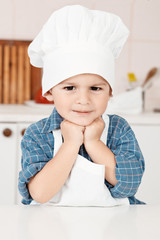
(102, 102)
(58, 99)
(62, 103)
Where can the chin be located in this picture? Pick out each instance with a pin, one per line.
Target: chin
(82, 123)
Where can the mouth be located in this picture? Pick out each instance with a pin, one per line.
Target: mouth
(82, 112)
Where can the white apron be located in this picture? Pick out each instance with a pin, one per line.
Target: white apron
(85, 185)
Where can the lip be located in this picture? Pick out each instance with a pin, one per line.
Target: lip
(82, 112)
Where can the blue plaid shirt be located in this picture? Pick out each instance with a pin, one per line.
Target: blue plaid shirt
(38, 148)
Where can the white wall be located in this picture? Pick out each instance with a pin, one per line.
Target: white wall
(23, 19)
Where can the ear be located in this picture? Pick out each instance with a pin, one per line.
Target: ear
(49, 96)
(110, 92)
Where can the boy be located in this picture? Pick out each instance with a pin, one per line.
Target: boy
(79, 156)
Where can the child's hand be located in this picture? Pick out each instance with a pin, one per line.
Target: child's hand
(72, 133)
(94, 131)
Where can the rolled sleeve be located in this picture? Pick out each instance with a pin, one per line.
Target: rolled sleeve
(129, 162)
(35, 154)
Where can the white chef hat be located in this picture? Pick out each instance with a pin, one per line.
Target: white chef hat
(77, 40)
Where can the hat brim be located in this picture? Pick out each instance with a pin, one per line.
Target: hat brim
(65, 64)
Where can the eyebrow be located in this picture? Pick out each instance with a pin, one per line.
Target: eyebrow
(94, 84)
(100, 84)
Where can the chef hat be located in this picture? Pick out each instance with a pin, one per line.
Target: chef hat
(77, 40)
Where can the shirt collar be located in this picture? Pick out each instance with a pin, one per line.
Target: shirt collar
(53, 122)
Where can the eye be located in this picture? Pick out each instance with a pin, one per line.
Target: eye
(69, 88)
(95, 88)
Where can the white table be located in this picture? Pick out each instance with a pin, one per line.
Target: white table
(80, 223)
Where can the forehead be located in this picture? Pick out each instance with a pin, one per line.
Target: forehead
(85, 77)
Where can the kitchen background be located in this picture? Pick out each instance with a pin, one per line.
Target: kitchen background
(22, 20)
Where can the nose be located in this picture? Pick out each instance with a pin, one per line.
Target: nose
(83, 97)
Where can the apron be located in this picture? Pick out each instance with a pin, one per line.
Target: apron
(85, 185)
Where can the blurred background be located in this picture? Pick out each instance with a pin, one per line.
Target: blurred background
(20, 83)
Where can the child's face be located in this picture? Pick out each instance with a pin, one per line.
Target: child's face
(81, 99)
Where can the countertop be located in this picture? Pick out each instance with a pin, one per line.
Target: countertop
(133, 222)
(24, 113)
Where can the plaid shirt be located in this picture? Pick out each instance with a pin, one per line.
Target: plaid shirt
(38, 148)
